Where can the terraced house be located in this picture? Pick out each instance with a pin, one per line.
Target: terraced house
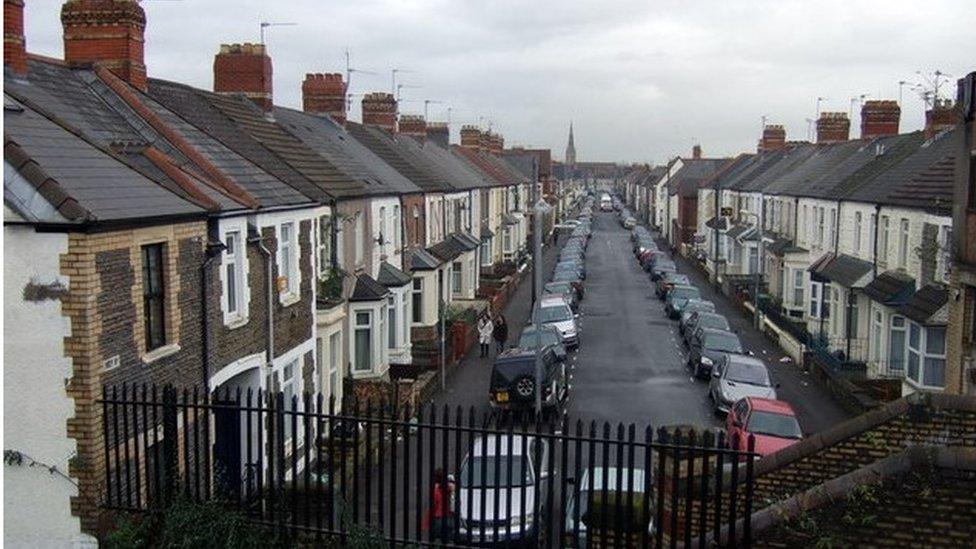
(851, 238)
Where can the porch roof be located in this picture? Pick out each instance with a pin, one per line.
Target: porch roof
(843, 269)
(925, 304)
(891, 288)
(391, 277)
(721, 223)
(422, 260)
(448, 249)
(781, 246)
(368, 289)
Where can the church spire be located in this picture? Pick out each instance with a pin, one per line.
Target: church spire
(571, 148)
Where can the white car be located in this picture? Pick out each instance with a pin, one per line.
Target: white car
(735, 377)
(496, 471)
(554, 310)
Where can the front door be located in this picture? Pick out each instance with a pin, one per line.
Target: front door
(227, 449)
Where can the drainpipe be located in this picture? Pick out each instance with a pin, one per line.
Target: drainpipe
(874, 237)
(254, 237)
(796, 220)
(213, 250)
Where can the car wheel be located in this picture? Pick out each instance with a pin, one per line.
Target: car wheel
(525, 387)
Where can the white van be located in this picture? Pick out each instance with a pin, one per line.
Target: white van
(606, 203)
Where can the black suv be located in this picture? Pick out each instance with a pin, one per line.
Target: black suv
(513, 380)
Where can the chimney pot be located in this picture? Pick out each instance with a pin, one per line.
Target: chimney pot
(940, 117)
(325, 94)
(833, 127)
(879, 118)
(471, 137)
(412, 124)
(14, 48)
(696, 152)
(380, 110)
(245, 69)
(108, 32)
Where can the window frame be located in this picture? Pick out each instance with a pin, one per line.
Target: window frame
(417, 307)
(903, 232)
(154, 295)
(857, 232)
(799, 283)
(323, 245)
(368, 328)
(288, 250)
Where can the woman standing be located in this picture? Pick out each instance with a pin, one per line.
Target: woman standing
(485, 329)
(441, 507)
(500, 332)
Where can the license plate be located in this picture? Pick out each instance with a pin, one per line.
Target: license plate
(501, 397)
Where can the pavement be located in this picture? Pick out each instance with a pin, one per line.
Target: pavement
(631, 364)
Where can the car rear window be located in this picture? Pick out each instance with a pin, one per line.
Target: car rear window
(777, 425)
(686, 292)
(726, 342)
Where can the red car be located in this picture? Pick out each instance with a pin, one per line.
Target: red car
(772, 422)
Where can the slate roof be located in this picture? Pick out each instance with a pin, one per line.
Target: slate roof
(843, 269)
(80, 180)
(368, 289)
(486, 233)
(469, 242)
(525, 163)
(481, 162)
(693, 172)
(324, 136)
(422, 260)
(782, 245)
(448, 249)
(722, 224)
(766, 166)
(441, 164)
(923, 178)
(325, 180)
(926, 302)
(739, 229)
(382, 144)
(891, 288)
(392, 277)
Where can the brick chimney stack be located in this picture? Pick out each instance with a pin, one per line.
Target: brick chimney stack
(696, 152)
(108, 32)
(833, 127)
(940, 117)
(773, 138)
(244, 69)
(471, 138)
(497, 144)
(439, 134)
(325, 94)
(879, 118)
(379, 109)
(14, 49)
(413, 125)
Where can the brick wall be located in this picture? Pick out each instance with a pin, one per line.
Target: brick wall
(105, 311)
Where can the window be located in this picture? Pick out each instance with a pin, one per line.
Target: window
(933, 373)
(418, 300)
(820, 230)
(153, 295)
(288, 258)
(896, 345)
(324, 245)
(753, 260)
(384, 234)
(831, 228)
(287, 380)
(877, 333)
(395, 229)
(391, 322)
(903, 244)
(798, 280)
(871, 234)
(457, 274)
(363, 341)
(815, 299)
(404, 317)
(945, 253)
(857, 232)
(335, 352)
(486, 252)
(233, 273)
(852, 330)
(885, 235)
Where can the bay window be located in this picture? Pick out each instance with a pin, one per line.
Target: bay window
(798, 280)
(896, 345)
(926, 355)
(363, 341)
(418, 300)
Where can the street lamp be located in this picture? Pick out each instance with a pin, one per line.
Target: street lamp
(541, 209)
(759, 255)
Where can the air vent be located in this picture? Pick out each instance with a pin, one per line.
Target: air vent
(879, 149)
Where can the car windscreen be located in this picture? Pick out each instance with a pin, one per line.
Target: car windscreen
(747, 372)
(559, 288)
(777, 425)
(686, 292)
(700, 306)
(566, 276)
(714, 322)
(495, 472)
(674, 278)
(527, 339)
(725, 342)
(555, 313)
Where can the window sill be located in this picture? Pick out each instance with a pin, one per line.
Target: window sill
(160, 352)
(288, 300)
(234, 322)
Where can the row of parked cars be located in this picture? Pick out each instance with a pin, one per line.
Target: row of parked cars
(739, 384)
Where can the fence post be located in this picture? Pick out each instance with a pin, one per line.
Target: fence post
(170, 443)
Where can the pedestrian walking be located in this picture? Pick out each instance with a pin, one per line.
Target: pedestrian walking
(440, 515)
(485, 330)
(500, 333)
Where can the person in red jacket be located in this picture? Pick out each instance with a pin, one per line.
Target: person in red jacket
(441, 512)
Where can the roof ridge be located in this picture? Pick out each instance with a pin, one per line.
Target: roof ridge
(209, 168)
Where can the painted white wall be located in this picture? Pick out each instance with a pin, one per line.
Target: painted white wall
(36, 502)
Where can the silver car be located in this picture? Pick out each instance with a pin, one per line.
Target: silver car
(553, 310)
(497, 471)
(735, 377)
(599, 483)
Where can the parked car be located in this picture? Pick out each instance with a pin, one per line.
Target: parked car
(571, 265)
(550, 339)
(554, 311)
(572, 278)
(564, 289)
(668, 281)
(772, 423)
(696, 305)
(650, 260)
(736, 377)
(513, 383)
(630, 223)
(502, 470)
(707, 347)
(678, 297)
(621, 511)
(701, 320)
(661, 268)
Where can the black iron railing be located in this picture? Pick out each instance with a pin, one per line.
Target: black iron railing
(427, 476)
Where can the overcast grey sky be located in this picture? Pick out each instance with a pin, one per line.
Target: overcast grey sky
(641, 79)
